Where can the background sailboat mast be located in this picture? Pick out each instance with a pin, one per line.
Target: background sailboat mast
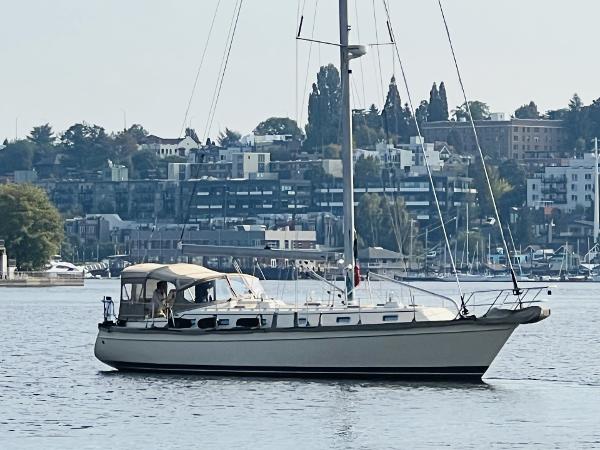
(596, 195)
(346, 129)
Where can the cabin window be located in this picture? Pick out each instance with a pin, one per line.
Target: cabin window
(247, 322)
(302, 321)
(344, 319)
(131, 293)
(244, 284)
(223, 322)
(390, 318)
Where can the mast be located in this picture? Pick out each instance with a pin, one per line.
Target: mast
(596, 195)
(346, 54)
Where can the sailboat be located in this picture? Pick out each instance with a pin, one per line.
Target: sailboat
(187, 318)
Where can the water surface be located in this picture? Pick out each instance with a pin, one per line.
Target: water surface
(543, 391)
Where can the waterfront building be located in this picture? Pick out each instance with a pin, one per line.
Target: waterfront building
(161, 244)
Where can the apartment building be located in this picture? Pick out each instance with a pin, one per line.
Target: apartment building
(523, 139)
(565, 186)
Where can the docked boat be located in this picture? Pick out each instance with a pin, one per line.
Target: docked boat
(188, 318)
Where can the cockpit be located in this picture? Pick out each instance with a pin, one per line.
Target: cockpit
(147, 289)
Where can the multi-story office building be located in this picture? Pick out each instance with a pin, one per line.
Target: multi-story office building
(523, 139)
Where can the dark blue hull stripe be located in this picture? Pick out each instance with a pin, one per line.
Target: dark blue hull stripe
(341, 372)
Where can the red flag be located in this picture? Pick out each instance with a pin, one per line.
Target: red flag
(356, 274)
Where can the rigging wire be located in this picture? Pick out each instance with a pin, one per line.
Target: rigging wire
(210, 117)
(360, 61)
(378, 52)
(310, 46)
(300, 21)
(485, 171)
(212, 101)
(187, 110)
(425, 159)
(225, 61)
(395, 225)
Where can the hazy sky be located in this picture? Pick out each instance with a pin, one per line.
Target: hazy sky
(64, 61)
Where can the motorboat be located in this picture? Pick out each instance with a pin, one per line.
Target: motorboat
(57, 265)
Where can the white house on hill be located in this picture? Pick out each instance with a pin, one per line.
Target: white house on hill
(165, 147)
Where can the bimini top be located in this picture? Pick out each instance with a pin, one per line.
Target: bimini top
(181, 275)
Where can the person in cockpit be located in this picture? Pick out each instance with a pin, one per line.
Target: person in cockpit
(204, 292)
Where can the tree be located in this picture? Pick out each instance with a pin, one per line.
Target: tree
(435, 109)
(392, 115)
(229, 138)
(529, 111)
(411, 126)
(17, 155)
(324, 108)
(143, 162)
(367, 169)
(369, 215)
(279, 126)
(444, 98)
(455, 139)
(381, 222)
(373, 118)
(138, 133)
(523, 232)
(42, 135)
(480, 111)
(421, 113)
(500, 186)
(88, 146)
(332, 151)
(318, 175)
(127, 142)
(192, 133)
(31, 226)
(577, 122)
(363, 134)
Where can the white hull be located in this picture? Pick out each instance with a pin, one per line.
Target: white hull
(459, 348)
